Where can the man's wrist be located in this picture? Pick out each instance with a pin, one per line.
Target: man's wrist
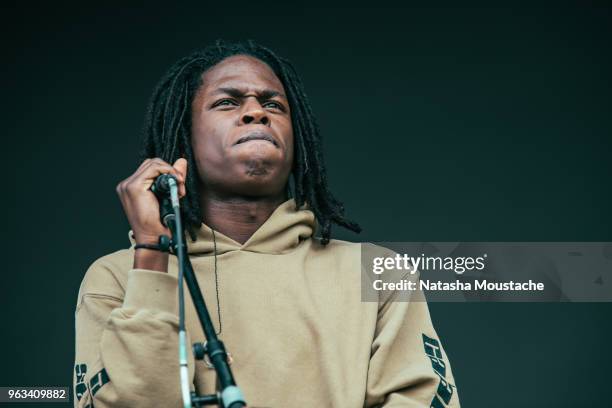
(150, 259)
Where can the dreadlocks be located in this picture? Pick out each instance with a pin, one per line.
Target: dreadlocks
(167, 132)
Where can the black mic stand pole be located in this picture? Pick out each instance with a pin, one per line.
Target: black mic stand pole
(229, 395)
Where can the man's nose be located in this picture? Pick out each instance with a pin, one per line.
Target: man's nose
(254, 113)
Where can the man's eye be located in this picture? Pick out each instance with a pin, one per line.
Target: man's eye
(225, 102)
(274, 105)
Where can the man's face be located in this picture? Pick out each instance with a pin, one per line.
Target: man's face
(242, 136)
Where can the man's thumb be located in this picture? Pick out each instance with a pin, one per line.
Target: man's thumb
(181, 166)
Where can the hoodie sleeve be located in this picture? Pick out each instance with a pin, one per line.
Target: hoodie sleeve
(127, 345)
(408, 366)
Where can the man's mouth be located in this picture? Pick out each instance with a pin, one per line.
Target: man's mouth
(257, 136)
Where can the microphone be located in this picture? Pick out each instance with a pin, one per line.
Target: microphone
(161, 185)
(165, 188)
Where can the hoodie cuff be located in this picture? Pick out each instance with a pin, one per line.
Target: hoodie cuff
(151, 290)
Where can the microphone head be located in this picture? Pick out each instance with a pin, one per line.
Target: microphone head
(160, 186)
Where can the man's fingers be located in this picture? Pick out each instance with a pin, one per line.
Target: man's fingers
(157, 168)
(150, 169)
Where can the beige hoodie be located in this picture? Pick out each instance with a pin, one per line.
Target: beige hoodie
(291, 315)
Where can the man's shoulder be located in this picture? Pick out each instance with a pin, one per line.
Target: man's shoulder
(339, 246)
(336, 246)
(107, 275)
(356, 251)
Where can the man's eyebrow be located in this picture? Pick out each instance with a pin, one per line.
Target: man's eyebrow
(239, 93)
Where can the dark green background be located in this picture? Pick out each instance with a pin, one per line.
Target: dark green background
(453, 124)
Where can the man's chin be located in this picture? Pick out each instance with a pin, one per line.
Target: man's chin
(260, 182)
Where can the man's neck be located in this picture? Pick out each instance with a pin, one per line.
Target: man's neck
(238, 217)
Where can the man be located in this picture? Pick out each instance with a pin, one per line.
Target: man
(233, 124)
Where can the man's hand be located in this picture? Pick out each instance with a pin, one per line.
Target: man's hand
(142, 208)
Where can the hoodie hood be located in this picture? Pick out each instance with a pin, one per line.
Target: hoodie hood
(286, 227)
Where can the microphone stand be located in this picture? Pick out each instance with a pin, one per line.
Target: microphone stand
(228, 395)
